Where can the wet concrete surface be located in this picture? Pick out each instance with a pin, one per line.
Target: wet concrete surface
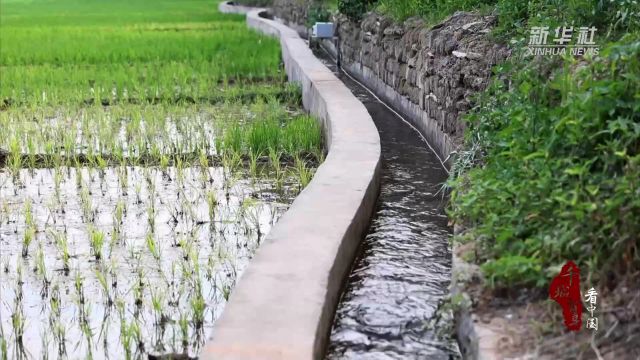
(389, 308)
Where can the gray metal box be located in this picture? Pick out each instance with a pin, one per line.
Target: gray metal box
(322, 30)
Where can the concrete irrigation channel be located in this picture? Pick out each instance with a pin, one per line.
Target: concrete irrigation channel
(390, 306)
(284, 305)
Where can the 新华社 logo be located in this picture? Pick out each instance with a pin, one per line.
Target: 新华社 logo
(565, 40)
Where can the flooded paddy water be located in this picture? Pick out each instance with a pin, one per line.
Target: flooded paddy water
(128, 242)
(173, 242)
(123, 235)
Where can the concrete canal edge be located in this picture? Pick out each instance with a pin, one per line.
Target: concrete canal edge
(283, 305)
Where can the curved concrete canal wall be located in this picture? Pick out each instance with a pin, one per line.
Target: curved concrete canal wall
(429, 74)
(283, 305)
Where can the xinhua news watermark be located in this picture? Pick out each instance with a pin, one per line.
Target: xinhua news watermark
(578, 41)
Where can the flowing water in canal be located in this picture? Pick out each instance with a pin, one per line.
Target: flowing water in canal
(389, 307)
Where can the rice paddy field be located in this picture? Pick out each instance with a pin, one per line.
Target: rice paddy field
(146, 149)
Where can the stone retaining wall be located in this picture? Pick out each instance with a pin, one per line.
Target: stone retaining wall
(283, 305)
(291, 12)
(428, 74)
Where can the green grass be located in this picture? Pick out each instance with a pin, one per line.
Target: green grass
(145, 134)
(138, 68)
(67, 51)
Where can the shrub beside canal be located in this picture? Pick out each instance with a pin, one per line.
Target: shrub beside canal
(554, 148)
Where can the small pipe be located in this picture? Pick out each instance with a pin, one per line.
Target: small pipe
(338, 53)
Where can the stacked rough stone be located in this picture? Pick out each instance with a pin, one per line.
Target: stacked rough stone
(439, 68)
(3, 156)
(292, 12)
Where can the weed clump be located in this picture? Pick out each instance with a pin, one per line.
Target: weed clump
(557, 179)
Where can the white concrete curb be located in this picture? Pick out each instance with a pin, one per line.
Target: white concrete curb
(283, 305)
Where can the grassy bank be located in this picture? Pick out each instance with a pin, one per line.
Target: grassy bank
(550, 168)
(550, 172)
